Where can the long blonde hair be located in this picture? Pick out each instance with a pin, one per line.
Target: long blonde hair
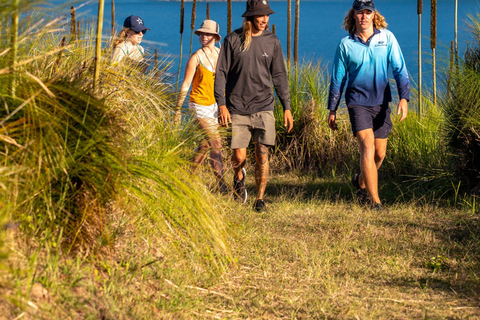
(349, 21)
(122, 37)
(246, 34)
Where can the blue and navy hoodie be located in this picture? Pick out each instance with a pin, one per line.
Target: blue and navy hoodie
(366, 65)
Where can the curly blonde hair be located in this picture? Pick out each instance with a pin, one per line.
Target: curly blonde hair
(349, 21)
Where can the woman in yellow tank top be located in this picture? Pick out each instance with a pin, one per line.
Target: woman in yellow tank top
(200, 73)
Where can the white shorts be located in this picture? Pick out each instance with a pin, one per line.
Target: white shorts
(204, 112)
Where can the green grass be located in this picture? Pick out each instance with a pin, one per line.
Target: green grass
(315, 254)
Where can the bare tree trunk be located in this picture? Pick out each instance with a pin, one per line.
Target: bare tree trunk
(14, 45)
(192, 24)
(113, 19)
(229, 16)
(456, 26)
(295, 40)
(73, 24)
(98, 46)
(433, 45)
(450, 73)
(182, 23)
(420, 96)
(289, 31)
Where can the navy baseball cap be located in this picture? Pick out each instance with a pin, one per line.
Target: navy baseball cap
(363, 4)
(135, 23)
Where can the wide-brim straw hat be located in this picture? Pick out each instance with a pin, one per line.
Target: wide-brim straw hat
(209, 26)
(257, 8)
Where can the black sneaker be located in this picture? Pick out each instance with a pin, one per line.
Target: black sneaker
(223, 188)
(377, 207)
(355, 182)
(362, 193)
(239, 191)
(259, 205)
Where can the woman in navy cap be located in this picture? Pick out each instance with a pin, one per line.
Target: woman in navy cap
(128, 41)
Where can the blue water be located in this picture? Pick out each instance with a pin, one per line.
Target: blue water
(320, 25)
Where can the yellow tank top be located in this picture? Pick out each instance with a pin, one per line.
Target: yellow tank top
(202, 86)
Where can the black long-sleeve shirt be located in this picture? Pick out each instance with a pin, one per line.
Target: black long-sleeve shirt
(243, 79)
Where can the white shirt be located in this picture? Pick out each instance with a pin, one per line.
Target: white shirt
(127, 49)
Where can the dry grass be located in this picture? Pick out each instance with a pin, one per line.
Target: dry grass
(316, 254)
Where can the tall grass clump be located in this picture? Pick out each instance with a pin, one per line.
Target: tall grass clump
(462, 110)
(312, 146)
(416, 149)
(70, 159)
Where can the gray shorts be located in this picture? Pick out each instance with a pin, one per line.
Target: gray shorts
(376, 118)
(260, 124)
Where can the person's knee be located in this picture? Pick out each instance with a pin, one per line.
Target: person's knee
(238, 158)
(380, 155)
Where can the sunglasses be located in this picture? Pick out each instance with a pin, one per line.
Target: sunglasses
(143, 31)
(363, 2)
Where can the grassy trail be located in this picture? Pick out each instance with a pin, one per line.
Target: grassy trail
(315, 254)
(321, 259)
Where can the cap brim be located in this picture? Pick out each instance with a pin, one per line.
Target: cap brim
(139, 29)
(364, 8)
(261, 12)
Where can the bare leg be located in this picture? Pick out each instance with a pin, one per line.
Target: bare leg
(216, 160)
(213, 143)
(261, 169)
(199, 155)
(369, 159)
(238, 161)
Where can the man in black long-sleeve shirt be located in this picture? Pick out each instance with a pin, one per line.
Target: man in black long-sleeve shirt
(250, 59)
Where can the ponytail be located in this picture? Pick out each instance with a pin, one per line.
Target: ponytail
(122, 37)
(247, 33)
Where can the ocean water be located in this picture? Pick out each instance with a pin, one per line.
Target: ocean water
(319, 32)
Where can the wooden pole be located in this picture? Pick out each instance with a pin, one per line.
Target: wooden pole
(113, 19)
(98, 46)
(433, 45)
(229, 16)
(295, 40)
(208, 11)
(420, 96)
(73, 24)
(450, 73)
(289, 32)
(182, 23)
(456, 28)
(14, 45)
(192, 24)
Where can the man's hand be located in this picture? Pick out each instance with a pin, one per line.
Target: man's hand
(332, 117)
(224, 116)
(288, 120)
(403, 109)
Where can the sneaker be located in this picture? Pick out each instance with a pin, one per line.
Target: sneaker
(355, 182)
(223, 188)
(259, 205)
(377, 207)
(239, 191)
(362, 193)
(362, 196)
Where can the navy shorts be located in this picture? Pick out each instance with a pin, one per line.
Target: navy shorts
(376, 118)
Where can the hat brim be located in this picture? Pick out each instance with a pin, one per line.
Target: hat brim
(139, 29)
(364, 8)
(197, 32)
(260, 12)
